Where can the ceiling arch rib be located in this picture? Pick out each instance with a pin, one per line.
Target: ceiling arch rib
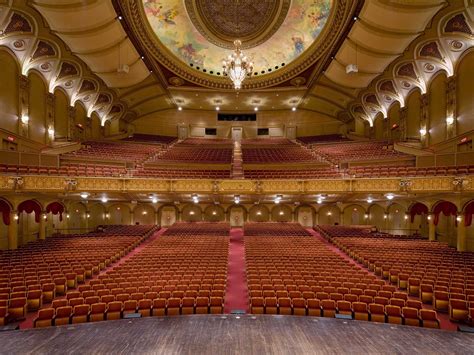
(100, 41)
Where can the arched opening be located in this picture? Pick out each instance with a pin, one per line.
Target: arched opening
(191, 213)
(61, 114)
(5, 211)
(419, 218)
(438, 111)
(464, 101)
(214, 213)
(305, 215)
(120, 214)
(329, 215)
(97, 213)
(468, 213)
(9, 91)
(379, 126)
(376, 216)
(29, 213)
(77, 218)
(55, 217)
(144, 214)
(353, 215)
(444, 214)
(259, 213)
(37, 109)
(413, 115)
(282, 213)
(396, 219)
(168, 215)
(393, 117)
(237, 215)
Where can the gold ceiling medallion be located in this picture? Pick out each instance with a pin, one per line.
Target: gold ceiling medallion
(221, 21)
(176, 81)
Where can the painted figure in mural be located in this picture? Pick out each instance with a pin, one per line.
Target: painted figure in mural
(299, 44)
(155, 8)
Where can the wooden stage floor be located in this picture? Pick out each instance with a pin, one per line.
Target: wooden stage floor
(231, 334)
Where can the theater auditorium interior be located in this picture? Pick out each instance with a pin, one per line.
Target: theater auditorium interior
(237, 176)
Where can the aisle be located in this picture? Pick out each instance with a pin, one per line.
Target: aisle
(236, 297)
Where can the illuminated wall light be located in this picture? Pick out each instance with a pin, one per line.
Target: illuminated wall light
(369, 200)
(259, 213)
(88, 215)
(385, 216)
(25, 119)
(329, 213)
(180, 108)
(390, 197)
(366, 216)
(44, 217)
(237, 199)
(144, 213)
(68, 216)
(118, 208)
(51, 131)
(255, 109)
(217, 108)
(16, 217)
(293, 109)
(282, 213)
(191, 213)
(107, 215)
(77, 211)
(84, 195)
(406, 217)
(459, 218)
(319, 201)
(214, 213)
(154, 200)
(429, 218)
(450, 120)
(104, 199)
(423, 131)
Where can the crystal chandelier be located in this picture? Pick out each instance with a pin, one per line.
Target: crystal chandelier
(237, 66)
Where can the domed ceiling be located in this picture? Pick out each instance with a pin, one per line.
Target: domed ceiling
(201, 33)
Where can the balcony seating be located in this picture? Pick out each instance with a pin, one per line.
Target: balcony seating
(274, 151)
(198, 228)
(322, 139)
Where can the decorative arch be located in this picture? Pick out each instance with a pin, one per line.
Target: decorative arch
(468, 212)
(445, 207)
(5, 209)
(417, 208)
(56, 208)
(30, 206)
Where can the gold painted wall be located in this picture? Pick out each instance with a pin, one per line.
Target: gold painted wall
(9, 109)
(306, 122)
(465, 94)
(437, 109)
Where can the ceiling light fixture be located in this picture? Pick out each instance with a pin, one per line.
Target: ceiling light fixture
(195, 198)
(369, 200)
(237, 66)
(84, 195)
(236, 199)
(104, 199)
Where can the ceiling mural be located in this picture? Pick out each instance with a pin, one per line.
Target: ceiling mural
(186, 31)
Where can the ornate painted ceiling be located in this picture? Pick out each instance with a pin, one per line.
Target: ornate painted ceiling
(200, 33)
(316, 39)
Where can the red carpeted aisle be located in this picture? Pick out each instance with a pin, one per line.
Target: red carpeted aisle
(236, 297)
(443, 317)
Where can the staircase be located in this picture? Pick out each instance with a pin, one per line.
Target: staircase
(237, 170)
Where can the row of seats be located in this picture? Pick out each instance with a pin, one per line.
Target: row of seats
(430, 271)
(274, 229)
(37, 273)
(312, 173)
(171, 275)
(199, 228)
(305, 272)
(393, 171)
(357, 151)
(323, 138)
(355, 310)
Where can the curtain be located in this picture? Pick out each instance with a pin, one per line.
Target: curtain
(417, 209)
(445, 207)
(30, 206)
(56, 208)
(468, 212)
(5, 211)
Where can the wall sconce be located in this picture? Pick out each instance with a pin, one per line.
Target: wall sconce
(449, 120)
(329, 213)
(259, 213)
(459, 218)
(423, 131)
(25, 119)
(16, 217)
(191, 213)
(366, 215)
(107, 215)
(51, 131)
(282, 213)
(385, 216)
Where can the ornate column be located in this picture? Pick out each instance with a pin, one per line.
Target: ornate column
(24, 99)
(425, 119)
(50, 99)
(13, 231)
(451, 122)
(42, 226)
(403, 123)
(461, 240)
(431, 228)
